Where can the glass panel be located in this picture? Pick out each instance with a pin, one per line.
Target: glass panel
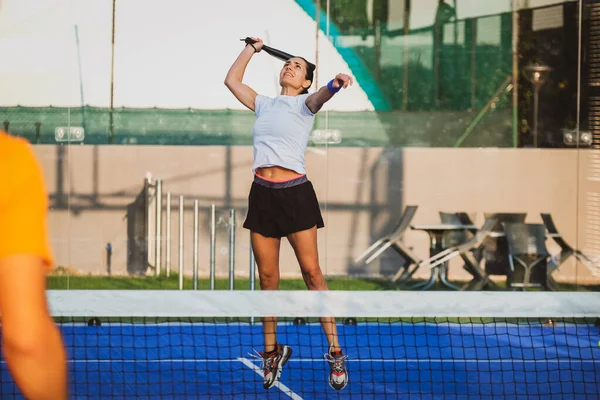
(88, 58)
(41, 102)
(443, 115)
(450, 127)
(583, 136)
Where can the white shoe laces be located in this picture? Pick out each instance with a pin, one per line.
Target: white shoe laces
(267, 362)
(338, 362)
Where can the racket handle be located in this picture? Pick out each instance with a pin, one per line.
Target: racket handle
(282, 55)
(248, 40)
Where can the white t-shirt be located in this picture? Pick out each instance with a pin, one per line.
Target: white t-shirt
(281, 131)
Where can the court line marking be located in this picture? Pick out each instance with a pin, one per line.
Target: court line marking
(286, 390)
(309, 360)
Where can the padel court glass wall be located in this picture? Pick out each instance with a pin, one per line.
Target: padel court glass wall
(479, 107)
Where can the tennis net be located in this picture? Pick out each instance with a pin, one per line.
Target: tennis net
(408, 345)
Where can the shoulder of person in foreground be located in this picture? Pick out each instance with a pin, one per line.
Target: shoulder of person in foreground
(23, 201)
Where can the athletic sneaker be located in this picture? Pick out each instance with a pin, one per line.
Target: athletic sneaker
(338, 377)
(273, 362)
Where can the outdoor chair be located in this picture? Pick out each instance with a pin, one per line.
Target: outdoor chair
(566, 250)
(528, 256)
(394, 240)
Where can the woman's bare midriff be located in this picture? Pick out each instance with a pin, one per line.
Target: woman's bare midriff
(277, 173)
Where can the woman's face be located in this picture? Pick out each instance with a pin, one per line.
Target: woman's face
(293, 74)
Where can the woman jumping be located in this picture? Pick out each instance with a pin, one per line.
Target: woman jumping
(282, 201)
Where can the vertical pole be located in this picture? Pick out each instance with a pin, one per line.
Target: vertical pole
(252, 272)
(328, 21)
(252, 268)
(168, 241)
(109, 258)
(515, 72)
(80, 76)
(111, 129)
(377, 69)
(474, 64)
(231, 248)
(149, 186)
(158, 226)
(317, 30)
(536, 99)
(38, 126)
(195, 275)
(327, 28)
(180, 242)
(406, 54)
(212, 246)
(437, 33)
(455, 22)
(579, 55)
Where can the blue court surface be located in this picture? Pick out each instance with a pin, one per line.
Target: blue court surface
(386, 361)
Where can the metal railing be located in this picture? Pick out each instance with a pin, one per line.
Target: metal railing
(154, 231)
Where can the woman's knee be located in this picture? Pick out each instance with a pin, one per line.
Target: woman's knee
(269, 280)
(313, 277)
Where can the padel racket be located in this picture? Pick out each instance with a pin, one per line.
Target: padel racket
(279, 54)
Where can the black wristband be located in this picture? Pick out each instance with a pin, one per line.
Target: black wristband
(253, 47)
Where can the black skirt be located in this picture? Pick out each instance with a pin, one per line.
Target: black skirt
(276, 209)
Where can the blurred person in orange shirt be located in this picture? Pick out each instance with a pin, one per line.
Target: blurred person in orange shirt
(31, 342)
